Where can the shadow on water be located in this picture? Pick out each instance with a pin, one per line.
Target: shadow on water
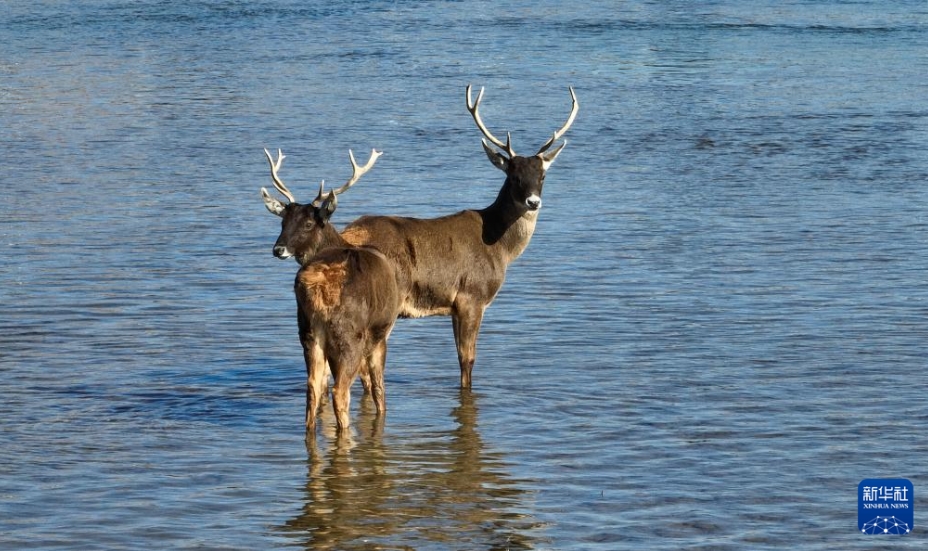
(441, 489)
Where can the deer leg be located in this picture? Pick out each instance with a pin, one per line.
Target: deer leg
(375, 366)
(344, 371)
(325, 393)
(316, 371)
(364, 373)
(465, 320)
(316, 387)
(341, 401)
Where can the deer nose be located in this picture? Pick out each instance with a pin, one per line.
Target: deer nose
(282, 252)
(533, 202)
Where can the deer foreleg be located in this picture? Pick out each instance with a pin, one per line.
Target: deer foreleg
(465, 320)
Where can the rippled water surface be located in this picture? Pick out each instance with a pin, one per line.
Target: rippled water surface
(718, 330)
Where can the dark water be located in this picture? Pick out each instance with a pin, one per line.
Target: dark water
(717, 332)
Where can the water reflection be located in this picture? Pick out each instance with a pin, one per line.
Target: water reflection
(366, 490)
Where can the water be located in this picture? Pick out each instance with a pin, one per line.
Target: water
(716, 333)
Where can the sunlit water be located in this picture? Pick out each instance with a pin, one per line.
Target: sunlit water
(717, 331)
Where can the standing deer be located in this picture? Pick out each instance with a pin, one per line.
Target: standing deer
(347, 299)
(455, 265)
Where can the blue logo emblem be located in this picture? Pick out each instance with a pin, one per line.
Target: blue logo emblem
(885, 506)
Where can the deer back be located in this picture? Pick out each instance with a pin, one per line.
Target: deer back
(353, 286)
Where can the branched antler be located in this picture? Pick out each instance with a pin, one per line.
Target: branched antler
(275, 166)
(473, 107)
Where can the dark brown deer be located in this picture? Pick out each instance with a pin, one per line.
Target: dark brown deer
(454, 265)
(347, 299)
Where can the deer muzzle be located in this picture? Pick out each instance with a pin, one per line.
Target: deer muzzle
(533, 202)
(282, 252)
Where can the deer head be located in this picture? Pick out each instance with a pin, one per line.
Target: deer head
(525, 176)
(305, 228)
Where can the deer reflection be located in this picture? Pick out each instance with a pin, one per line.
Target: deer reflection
(366, 491)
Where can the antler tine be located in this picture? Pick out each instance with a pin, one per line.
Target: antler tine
(570, 120)
(473, 109)
(275, 166)
(356, 171)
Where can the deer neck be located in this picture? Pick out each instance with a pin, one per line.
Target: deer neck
(508, 226)
(329, 238)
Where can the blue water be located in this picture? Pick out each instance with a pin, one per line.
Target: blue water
(717, 331)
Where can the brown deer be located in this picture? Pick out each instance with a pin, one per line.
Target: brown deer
(454, 265)
(347, 300)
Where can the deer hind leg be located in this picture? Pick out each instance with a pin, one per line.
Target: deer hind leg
(466, 317)
(316, 372)
(376, 363)
(344, 370)
(365, 376)
(316, 388)
(325, 393)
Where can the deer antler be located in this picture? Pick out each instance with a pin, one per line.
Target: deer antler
(356, 171)
(275, 166)
(472, 107)
(321, 196)
(563, 129)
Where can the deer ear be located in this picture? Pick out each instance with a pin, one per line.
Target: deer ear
(499, 160)
(327, 207)
(548, 157)
(273, 205)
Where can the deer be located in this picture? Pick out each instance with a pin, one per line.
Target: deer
(347, 300)
(455, 265)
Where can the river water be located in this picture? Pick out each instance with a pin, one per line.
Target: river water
(718, 330)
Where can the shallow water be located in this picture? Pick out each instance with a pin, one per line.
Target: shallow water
(717, 332)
